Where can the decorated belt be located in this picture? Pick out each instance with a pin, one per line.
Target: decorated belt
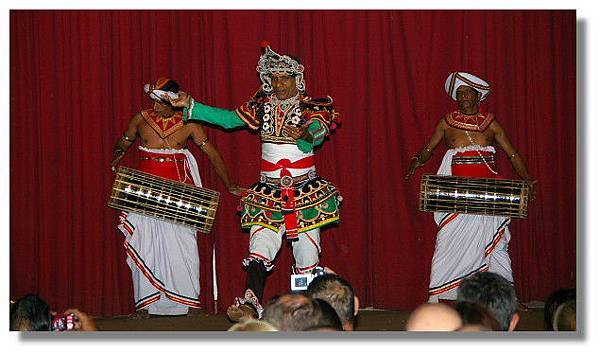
(162, 160)
(288, 181)
(489, 159)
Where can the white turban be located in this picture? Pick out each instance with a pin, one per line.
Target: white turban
(155, 92)
(457, 79)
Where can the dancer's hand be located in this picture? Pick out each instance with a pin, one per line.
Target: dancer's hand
(297, 132)
(182, 100)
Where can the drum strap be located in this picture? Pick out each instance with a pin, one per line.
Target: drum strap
(186, 166)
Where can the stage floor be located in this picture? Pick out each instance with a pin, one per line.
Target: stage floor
(531, 319)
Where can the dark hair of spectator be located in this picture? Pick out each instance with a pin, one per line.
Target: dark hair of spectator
(30, 313)
(297, 312)
(493, 292)
(337, 292)
(554, 301)
(476, 314)
(325, 316)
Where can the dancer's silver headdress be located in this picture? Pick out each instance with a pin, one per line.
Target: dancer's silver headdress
(271, 62)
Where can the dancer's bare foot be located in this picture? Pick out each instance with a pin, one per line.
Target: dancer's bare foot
(141, 314)
(241, 312)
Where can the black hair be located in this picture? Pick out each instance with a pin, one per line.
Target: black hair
(476, 314)
(553, 302)
(325, 316)
(30, 313)
(171, 85)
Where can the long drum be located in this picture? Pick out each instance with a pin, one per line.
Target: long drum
(157, 197)
(480, 196)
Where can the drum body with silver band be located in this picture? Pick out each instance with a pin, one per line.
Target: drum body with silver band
(172, 201)
(479, 196)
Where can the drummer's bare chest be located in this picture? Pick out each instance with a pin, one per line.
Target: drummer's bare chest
(151, 139)
(456, 138)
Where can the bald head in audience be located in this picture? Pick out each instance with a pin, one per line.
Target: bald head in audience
(434, 317)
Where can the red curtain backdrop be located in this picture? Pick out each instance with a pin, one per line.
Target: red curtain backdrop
(77, 77)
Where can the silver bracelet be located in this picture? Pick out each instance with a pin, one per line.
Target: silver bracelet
(131, 140)
(201, 145)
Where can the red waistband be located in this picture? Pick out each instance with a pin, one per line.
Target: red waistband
(303, 163)
(169, 166)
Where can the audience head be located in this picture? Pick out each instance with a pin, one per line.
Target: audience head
(493, 292)
(565, 317)
(560, 310)
(325, 317)
(339, 294)
(476, 317)
(252, 325)
(30, 313)
(433, 317)
(297, 312)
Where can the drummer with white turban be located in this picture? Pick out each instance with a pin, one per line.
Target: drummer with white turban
(465, 243)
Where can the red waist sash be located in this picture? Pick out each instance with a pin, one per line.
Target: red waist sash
(475, 170)
(285, 164)
(169, 166)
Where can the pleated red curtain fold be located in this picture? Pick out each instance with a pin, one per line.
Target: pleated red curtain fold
(77, 76)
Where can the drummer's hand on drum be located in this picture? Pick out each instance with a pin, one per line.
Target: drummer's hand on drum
(182, 100)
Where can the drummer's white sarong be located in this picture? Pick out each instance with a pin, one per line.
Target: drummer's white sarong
(466, 244)
(163, 257)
